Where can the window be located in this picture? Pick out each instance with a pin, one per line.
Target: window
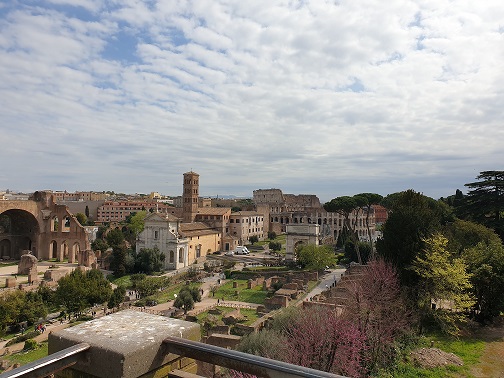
(156, 235)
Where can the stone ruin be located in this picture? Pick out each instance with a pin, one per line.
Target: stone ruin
(28, 266)
(28, 263)
(88, 259)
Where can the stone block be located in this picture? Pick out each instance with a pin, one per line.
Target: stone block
(10, 282)
(125, 344)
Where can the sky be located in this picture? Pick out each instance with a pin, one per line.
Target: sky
(317, 97)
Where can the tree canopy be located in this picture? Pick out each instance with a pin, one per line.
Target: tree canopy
(80, 290)
(315, 257)
(444, 280)
(20, 306)
(485, 262)
(484, 202)
(149, 260)
(412, 218)
(347, 207)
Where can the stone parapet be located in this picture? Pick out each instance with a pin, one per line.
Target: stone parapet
(126, 344)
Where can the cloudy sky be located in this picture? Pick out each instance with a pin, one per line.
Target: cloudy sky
(316, 97)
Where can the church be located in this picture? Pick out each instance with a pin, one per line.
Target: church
(200, 231)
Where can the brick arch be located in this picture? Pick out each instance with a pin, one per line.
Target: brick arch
(35, 216)
(21, 230)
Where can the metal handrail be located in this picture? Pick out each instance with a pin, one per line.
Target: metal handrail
(50, 364)
(244, 362)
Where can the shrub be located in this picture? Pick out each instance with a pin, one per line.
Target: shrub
(30, 344)
(19, 339)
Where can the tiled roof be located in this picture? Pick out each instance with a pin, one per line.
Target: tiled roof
(213, 210)
(196, 229)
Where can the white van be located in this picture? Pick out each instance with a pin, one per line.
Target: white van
(241, 250)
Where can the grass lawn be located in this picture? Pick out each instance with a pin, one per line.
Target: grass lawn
(280, 238)
(227, 292)
(468, 349)
(124, 281)
(169, 294)
(249, 314)
(32, 355)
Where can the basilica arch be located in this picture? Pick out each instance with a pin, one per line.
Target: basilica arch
(39, 225)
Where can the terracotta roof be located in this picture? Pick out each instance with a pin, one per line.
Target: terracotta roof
(168, 217)
(196, 229)
(213, 210)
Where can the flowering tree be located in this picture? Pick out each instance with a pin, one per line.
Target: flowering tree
(377, 307)
(321, 340)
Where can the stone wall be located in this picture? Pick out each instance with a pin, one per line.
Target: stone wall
(276, 302)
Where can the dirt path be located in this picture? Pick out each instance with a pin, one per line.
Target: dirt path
(491, 363)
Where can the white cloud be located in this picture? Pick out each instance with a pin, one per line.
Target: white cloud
(308, 95)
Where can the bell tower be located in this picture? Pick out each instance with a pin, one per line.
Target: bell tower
(190, 196)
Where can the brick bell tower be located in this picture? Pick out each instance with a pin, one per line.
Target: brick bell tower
(190, 196)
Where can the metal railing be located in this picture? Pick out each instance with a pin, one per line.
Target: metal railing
(50, 364)
(243, 362)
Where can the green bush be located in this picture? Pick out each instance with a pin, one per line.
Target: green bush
(272, 235)
(30, 344)
(141, 302)
(26, 336)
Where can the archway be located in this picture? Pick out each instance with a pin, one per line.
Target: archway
(181, 255)
(19, 229)
(298, 245)
(74, 255)
(53, 250)
(63, 252)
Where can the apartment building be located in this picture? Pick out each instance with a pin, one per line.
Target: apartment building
(244, 224)
(118, 211)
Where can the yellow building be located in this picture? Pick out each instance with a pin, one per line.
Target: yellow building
(202, 240)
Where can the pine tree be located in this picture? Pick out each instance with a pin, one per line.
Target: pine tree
(484, 202)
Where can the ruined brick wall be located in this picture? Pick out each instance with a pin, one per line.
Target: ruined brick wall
(276, 302)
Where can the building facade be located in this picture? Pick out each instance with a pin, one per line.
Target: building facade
(244, 224)
(162, 231)
(118, 211)
(285, 209)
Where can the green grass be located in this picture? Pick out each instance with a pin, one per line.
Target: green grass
(468, 349)
(249, 314)
(124, 281)
(169, 294)
(255, 295)
(29, 356)
(280, 238)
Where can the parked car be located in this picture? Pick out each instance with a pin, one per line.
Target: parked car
(229, 253)
(241, 250)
